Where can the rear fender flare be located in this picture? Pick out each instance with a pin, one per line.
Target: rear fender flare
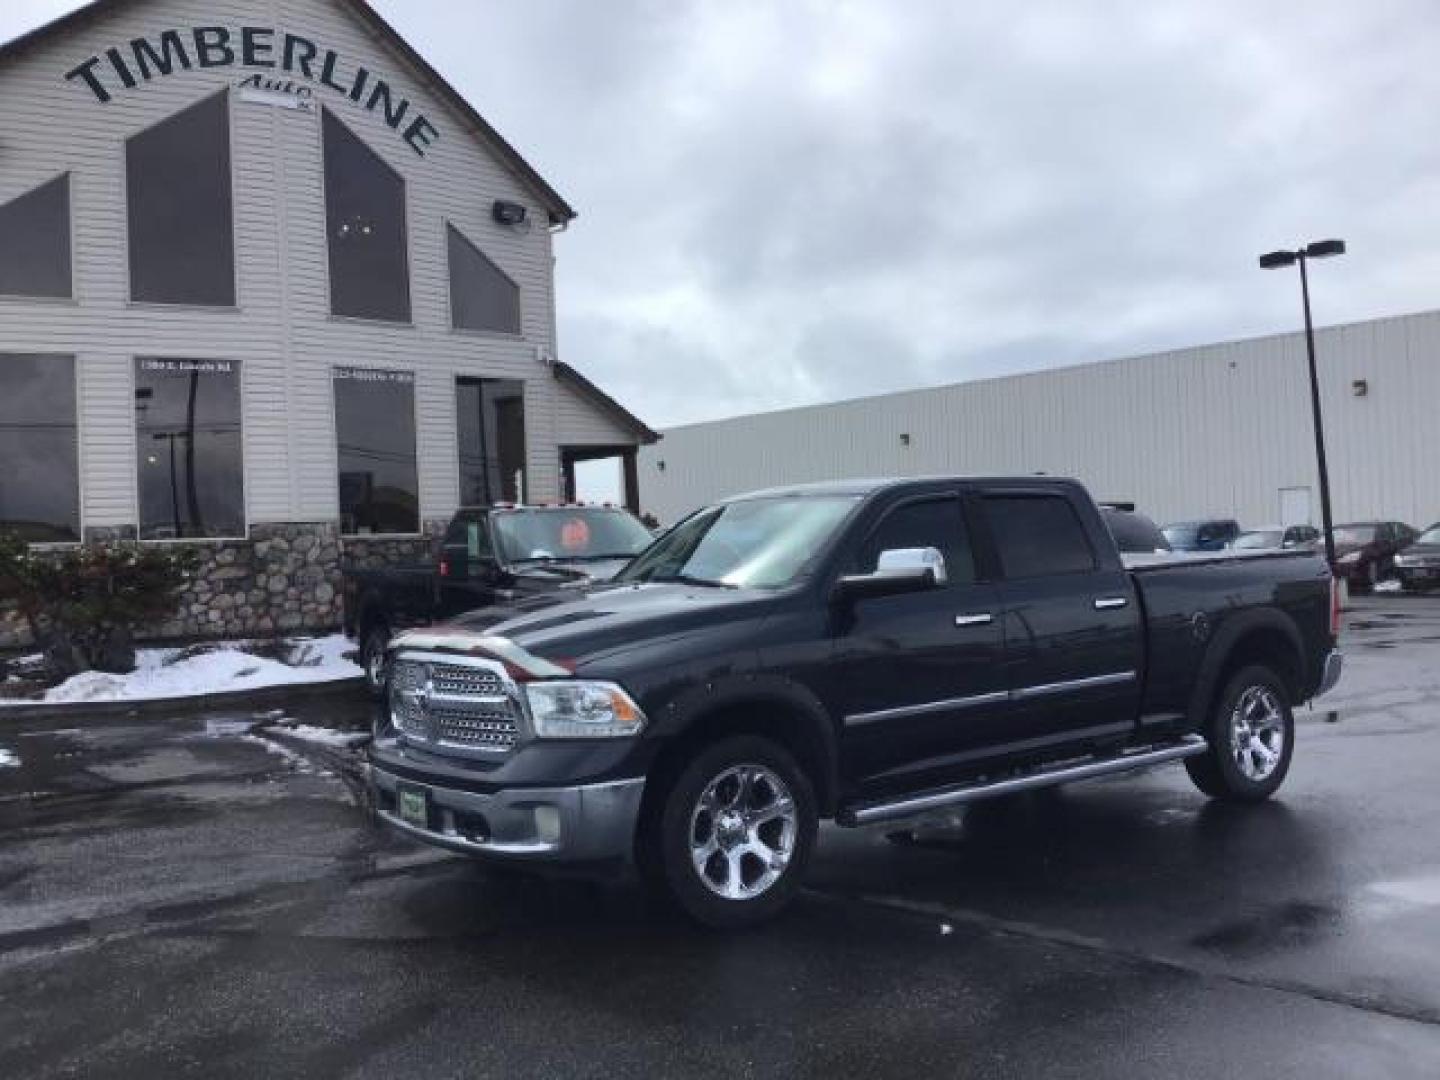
(1222, 648)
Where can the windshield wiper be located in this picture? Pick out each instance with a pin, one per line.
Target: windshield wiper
(690, 579)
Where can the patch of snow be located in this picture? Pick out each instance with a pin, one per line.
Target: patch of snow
(158, 675)
(8, 759)
(323, 735)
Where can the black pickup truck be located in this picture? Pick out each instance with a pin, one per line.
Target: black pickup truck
(488, 555)
(863, 652)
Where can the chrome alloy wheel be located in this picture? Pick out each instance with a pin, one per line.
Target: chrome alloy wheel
(1257, 733)
(742, 832)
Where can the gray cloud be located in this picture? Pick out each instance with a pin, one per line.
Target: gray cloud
(786, 203)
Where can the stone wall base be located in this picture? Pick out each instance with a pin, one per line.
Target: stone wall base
(284, 579)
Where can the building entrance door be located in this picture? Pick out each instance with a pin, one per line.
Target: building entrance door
(1295, 506)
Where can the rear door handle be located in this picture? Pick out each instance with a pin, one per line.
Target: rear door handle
(1105, 603)
(979, 618)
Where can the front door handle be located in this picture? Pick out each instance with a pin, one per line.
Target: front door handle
(1106, 603)
(979, 618)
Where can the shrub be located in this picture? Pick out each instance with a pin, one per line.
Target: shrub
(83, 604)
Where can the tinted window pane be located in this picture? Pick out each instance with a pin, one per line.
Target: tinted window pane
(188, 444)
(35, 242)
(934, 523)
(482, 297)
(1038, 535)
(490, 415)
(375, 429)
(365, 216)
(177, 175)
(1134, 533)
(40, 481)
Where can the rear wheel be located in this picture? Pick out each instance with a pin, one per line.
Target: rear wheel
(372, 657)
(730, 839)
(1251, 733)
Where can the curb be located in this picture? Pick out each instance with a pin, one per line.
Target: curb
(351, 687)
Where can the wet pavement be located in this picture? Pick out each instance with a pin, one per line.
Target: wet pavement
(183, 897)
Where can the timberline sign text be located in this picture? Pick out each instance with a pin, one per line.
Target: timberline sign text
(143, 59)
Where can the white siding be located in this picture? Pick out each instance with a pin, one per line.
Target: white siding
(1217, 429)
(281, 329)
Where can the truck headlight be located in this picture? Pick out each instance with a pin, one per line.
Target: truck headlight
(575, 709)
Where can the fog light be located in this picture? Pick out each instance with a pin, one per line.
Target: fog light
(547, 824)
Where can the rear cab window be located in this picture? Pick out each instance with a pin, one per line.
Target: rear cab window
(1037, 535)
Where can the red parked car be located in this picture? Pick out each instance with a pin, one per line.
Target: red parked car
(1365, 550)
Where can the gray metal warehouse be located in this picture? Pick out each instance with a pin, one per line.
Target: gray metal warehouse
(1217, 430)
(271, 287)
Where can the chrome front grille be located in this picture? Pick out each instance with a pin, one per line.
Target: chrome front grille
(463, 706)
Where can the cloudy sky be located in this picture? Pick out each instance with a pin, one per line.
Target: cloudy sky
(791, 202)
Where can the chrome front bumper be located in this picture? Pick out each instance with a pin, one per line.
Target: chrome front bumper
(1330, 674)
(583, 823)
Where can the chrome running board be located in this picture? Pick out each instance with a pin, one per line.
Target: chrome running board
(910, 805)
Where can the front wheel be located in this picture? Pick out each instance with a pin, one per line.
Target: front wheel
(731, 837)
(1251, 733)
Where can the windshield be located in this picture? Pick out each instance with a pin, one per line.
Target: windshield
(574, 533)
(1260, 538)
(754, 543)
(1429, 536)
(1135, 533)
(1355, 535)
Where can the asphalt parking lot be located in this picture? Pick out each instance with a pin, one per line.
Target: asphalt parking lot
(178, 897)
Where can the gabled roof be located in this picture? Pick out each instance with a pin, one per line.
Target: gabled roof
(605, 403)
(559, 210)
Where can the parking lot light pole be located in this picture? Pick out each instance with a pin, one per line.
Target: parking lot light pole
(1318, 250)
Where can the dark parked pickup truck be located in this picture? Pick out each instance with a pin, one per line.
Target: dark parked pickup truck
(863, 652)
(488, 555)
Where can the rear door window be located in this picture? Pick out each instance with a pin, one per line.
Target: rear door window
(1038, 535)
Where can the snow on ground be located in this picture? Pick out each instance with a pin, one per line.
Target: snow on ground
(158, 674)
(323, 735)
(8, 760)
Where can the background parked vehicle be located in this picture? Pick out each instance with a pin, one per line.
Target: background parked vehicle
(1278, 538)
(1418, 566)
(489, 555)
(1365, 550)
(1134, 533)
(1211, 534)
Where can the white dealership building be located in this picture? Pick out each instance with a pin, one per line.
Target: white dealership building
(1218, 430)
(269, 285)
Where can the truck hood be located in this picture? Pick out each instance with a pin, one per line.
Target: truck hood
(568, 626)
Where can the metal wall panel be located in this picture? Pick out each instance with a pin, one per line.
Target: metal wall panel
(1213, 430)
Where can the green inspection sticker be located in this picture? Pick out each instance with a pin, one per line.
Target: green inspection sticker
(414, 805)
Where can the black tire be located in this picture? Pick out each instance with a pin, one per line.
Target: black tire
(676, 821)
(1219, 772)
(373, 641)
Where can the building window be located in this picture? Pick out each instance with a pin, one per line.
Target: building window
(482, 296)
(35, 242)
(40, 483)
(188, 447)
(375, 433)
(365, 219)
(490, 428)
(182, 239)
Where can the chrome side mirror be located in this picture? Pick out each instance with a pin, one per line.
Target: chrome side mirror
(897, 560)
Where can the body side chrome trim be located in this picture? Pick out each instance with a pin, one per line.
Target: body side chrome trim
(901, 711)
(1025, 693)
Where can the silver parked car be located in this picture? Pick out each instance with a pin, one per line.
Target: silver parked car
(1278, 538)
